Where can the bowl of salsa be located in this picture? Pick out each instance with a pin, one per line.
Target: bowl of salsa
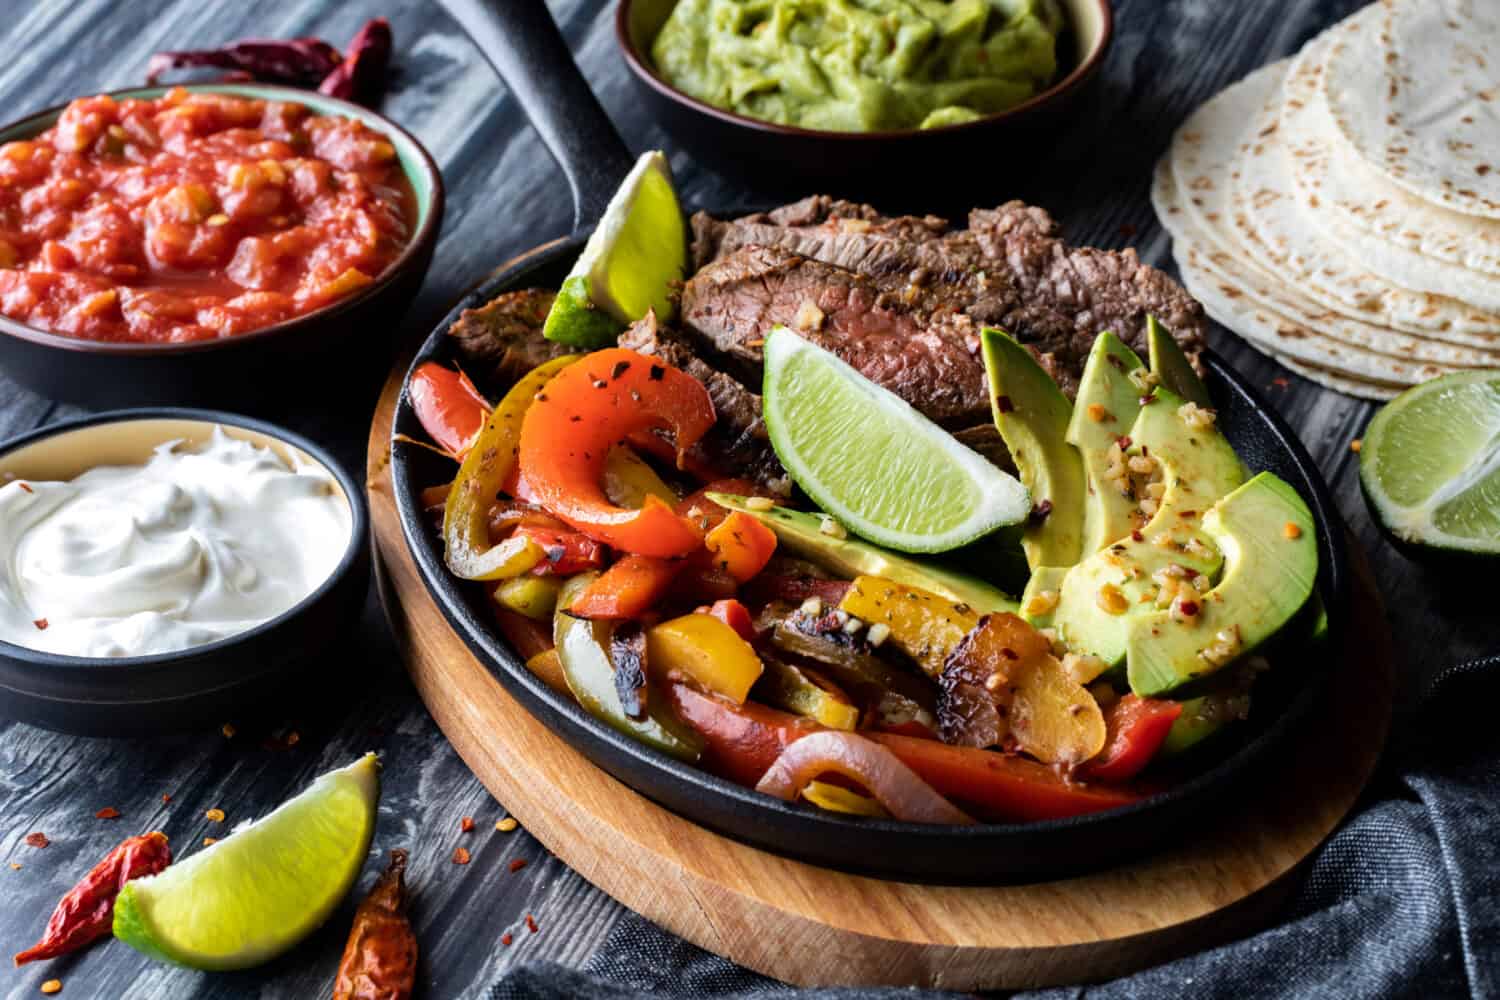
(176, 244)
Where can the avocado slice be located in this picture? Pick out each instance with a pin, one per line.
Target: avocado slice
(1033, 608)
(1032, 415)
(1270, 552)
(1198, 468)
(1106, 406)
(802, 533)
(1172, 367)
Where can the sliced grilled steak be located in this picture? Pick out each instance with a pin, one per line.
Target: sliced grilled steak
(927, 359)
(1008, 269)
(737, 444)
(502, 340)
(817, 217)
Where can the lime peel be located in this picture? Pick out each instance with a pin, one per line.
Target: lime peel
(864, 455)
(256, 893)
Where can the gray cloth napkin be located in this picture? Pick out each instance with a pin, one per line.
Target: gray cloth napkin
(1404, 901)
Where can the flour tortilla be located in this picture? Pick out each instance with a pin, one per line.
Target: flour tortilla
(1276, 335)
(1340, 383)
(1304, 130)
(1332, 179)
(1202, 157)
(1286, 301)
(1269, 223)
(1420, 101)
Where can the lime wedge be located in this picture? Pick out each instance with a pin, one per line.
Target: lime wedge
(636, 255)
(1430, 463)
(257, 892)
(881, 468)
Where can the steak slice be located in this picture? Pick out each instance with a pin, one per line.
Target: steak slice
(1009, 269)
(502, 339)
(929, 360)
(737, 444)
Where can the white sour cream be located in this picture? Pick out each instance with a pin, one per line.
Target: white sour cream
(192, 547)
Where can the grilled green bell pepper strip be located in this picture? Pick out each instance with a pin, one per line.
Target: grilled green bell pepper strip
(583, 648)
(466, 542)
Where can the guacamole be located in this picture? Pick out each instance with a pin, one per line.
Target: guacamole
(860, 65)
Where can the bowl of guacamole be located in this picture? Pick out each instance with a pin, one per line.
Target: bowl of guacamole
(904, 102)
(860, 65)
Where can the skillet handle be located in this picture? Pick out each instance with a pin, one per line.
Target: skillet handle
(522, 43)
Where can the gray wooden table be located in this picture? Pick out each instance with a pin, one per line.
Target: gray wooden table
(504, 195)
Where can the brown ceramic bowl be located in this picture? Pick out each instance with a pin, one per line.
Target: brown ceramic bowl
(253, 369)
(872, 164)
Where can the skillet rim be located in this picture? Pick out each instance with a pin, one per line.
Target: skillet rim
(584, 733)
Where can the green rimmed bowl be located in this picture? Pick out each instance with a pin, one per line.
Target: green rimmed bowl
(252, 370)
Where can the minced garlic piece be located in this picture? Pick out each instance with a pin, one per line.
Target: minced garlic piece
(1197, 417)
(831, 527)
(809, 317)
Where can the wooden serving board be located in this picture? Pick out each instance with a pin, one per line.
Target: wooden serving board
(813, 926)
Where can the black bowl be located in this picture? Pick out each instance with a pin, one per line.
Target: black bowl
(202, 686)
(236, 370)
(982, 853)
(886, 166)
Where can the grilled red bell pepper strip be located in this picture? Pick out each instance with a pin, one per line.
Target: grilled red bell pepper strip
(1137, 728)
(628, 589)
(585, 411)
(86, 913)
(735, 615)
(743, 741)
(450, 409)
(1001, 784)
(564, 552)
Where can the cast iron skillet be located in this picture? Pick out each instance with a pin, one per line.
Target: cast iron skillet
(520, 39)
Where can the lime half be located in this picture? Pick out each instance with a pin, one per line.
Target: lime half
(877, 465)
(257, 892)
(1430, 463)
(637, 253)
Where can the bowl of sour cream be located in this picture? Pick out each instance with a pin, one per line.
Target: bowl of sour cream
(162, 569)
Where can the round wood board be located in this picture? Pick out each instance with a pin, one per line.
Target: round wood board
(815, 927)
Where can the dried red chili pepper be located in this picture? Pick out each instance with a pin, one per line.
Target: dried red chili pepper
(362, 74)
(301, 62)
(85, 914)
(380, 960)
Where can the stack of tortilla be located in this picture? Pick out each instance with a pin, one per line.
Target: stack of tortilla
(1340, 210)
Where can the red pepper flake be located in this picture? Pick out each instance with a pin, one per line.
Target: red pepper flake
(506, 939)
(37, 839)
(466, 824)
(517, 864)
(1281, 382)
(531, 923)
(1136, 536)
(28, 489)
(41, 623)
(460, 856)
(166, 798)
(108, 812)
(1190, 608)
(214, 815)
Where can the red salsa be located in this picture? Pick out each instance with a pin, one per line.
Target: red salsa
(194, 216)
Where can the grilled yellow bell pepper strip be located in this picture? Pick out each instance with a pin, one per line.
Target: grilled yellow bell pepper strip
(466, 540)
(796, 690)
(836, 798)
(548, 666)
(706, 652)
(923, 625)
(583, 648)
(628, 481)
